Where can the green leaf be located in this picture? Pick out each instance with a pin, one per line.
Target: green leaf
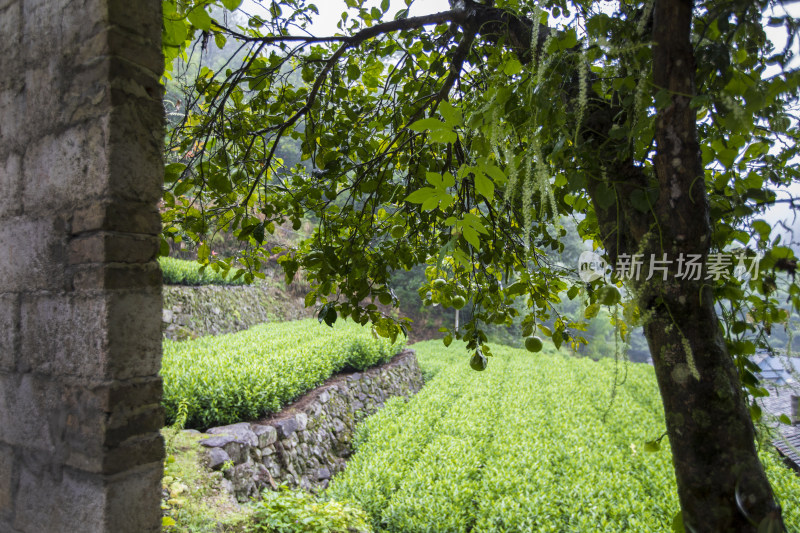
(568, 39)
(427, 124)
(203, 252)
(443, 136)
(420, 195)
(484, 186)
(310, 299)
(591, 311)
(605, 196)
(258, 233)
(230, 5)
(727, 156)
(175, 32)
(199, 18)
(452, 116)
(471, 237)
(440, 181)
(167, 521)
(219, 182)
(755, 412)
(762, 228)
(173, 171)
(220, 40)
(652, 446)
(163, 249)
(573, 292)
(512, 66)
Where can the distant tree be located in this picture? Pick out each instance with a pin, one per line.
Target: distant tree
(452, 139)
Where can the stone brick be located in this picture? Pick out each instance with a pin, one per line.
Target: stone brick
(7, 482)
(134, 217)
(60, 173)
(79, 324)
(29, 410)
(135, 48)
(286, 427)
(217, 457)
(10, 184)
(52, 499)
(134, 330)
(112, 276)
(144, 21)
(86, 93)
(12, 109)
(123, 426)
(11, 43)
(136, 158)
(63, 24)
(133, 505)
(113, 247)
(146, 450)
(32, 251)
(266, 434)
(241, 431)
(135, 394)
(9, 330)
(112, 336)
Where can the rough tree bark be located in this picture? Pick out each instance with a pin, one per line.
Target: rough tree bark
(721, 482)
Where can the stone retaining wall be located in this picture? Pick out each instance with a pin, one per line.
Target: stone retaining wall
(308, 442)
(191, 312)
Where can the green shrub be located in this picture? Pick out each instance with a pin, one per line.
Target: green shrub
(181, 272)
(288, 511)
(243, 376)
(530, 444)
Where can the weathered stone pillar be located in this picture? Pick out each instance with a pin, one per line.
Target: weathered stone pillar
(80, 298)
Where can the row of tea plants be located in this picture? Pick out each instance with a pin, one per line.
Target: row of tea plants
(224, 379)
(181, 272)
(538, 442)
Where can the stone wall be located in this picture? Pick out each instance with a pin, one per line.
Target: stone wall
(309, 441)
(191, 312)
(81, 136)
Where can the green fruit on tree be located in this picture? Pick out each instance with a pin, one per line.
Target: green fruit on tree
(385, 298)
(478, 361)
(398, 231)
(608, 295)
(458, 302)
(438, 283)
(533, 344)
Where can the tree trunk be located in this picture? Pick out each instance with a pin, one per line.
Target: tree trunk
(721, 482)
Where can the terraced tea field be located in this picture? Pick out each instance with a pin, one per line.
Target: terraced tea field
(530, 444)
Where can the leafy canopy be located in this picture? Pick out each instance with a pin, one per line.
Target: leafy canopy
(459, 139)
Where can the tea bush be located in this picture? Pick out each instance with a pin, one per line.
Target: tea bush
(245, 375)
(295, 511)
(181, 272)
(530, 444)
